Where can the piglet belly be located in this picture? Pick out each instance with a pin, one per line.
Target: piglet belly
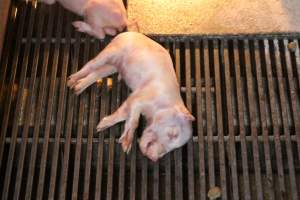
(133, 77)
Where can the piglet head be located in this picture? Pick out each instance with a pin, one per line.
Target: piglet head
(170, 129)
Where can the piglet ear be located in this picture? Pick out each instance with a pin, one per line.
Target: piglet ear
(184, 113)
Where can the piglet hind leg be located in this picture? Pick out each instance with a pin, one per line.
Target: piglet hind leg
(99, 73)
(130, 111)
(119, 115)
(92, 66)
(128, 134)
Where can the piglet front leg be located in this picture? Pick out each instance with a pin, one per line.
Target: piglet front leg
(130, 111)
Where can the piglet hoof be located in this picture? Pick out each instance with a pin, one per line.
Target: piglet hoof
(79, 26)
(126, 143)
(78, 89)
(71, 82)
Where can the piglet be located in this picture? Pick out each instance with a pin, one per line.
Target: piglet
(100, 16)
(146, 67)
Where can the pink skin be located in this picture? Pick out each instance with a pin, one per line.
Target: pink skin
(147, 69)
(101, 17)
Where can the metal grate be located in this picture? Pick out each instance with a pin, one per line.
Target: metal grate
(244, 91)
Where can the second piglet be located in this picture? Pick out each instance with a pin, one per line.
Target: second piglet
(101, 17)
(147, 69)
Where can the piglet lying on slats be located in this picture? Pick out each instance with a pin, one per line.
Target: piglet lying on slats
(147, 69)
(101, 16)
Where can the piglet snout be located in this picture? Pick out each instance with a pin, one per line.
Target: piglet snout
(151, 147)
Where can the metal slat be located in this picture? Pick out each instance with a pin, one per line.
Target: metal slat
(21, 90)
(231, 142)
(91, 129)
(253, 117)
(297, 55)
(103, 112)
(167, 163)
(208, 108)
(156, 185)
(283, 103)
(40, 186)
(188, 97)
(178, 152)
(38, 115)
(68, 129)
(275, 122)
(241, 121)
(262, 109)
(132, 192)
(115, 102)
(199, 120)
(29, 108)
(293, 94)
(82, 103)
(60, 114)
(220, 120)
(78, 146)
(122, 165)
(9, 99)
(144, 178)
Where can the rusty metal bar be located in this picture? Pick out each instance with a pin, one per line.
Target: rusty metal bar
(132, 192)
(167, 163)
(60, 113)
(253, 117)
(275, 119)
(122, 164)
(283, 103)
(297, 55)
(208, 108)
(293, 93)
(262, 109)
(15, 129)
(195, 139)
(241, 121)
(115, 102)
(38, 115)
(178, 152)
(219, 114)
(231, 145)
(29, 107)
(82, 103)
(199, 120)
(188, 97)
(103, 112)
(91, 128)
(177, 61)
(41, 185)
(14, 67)
(68, 129)
(144, 177)
(156, 181)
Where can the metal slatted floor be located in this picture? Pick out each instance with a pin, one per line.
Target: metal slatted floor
(243, 90)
